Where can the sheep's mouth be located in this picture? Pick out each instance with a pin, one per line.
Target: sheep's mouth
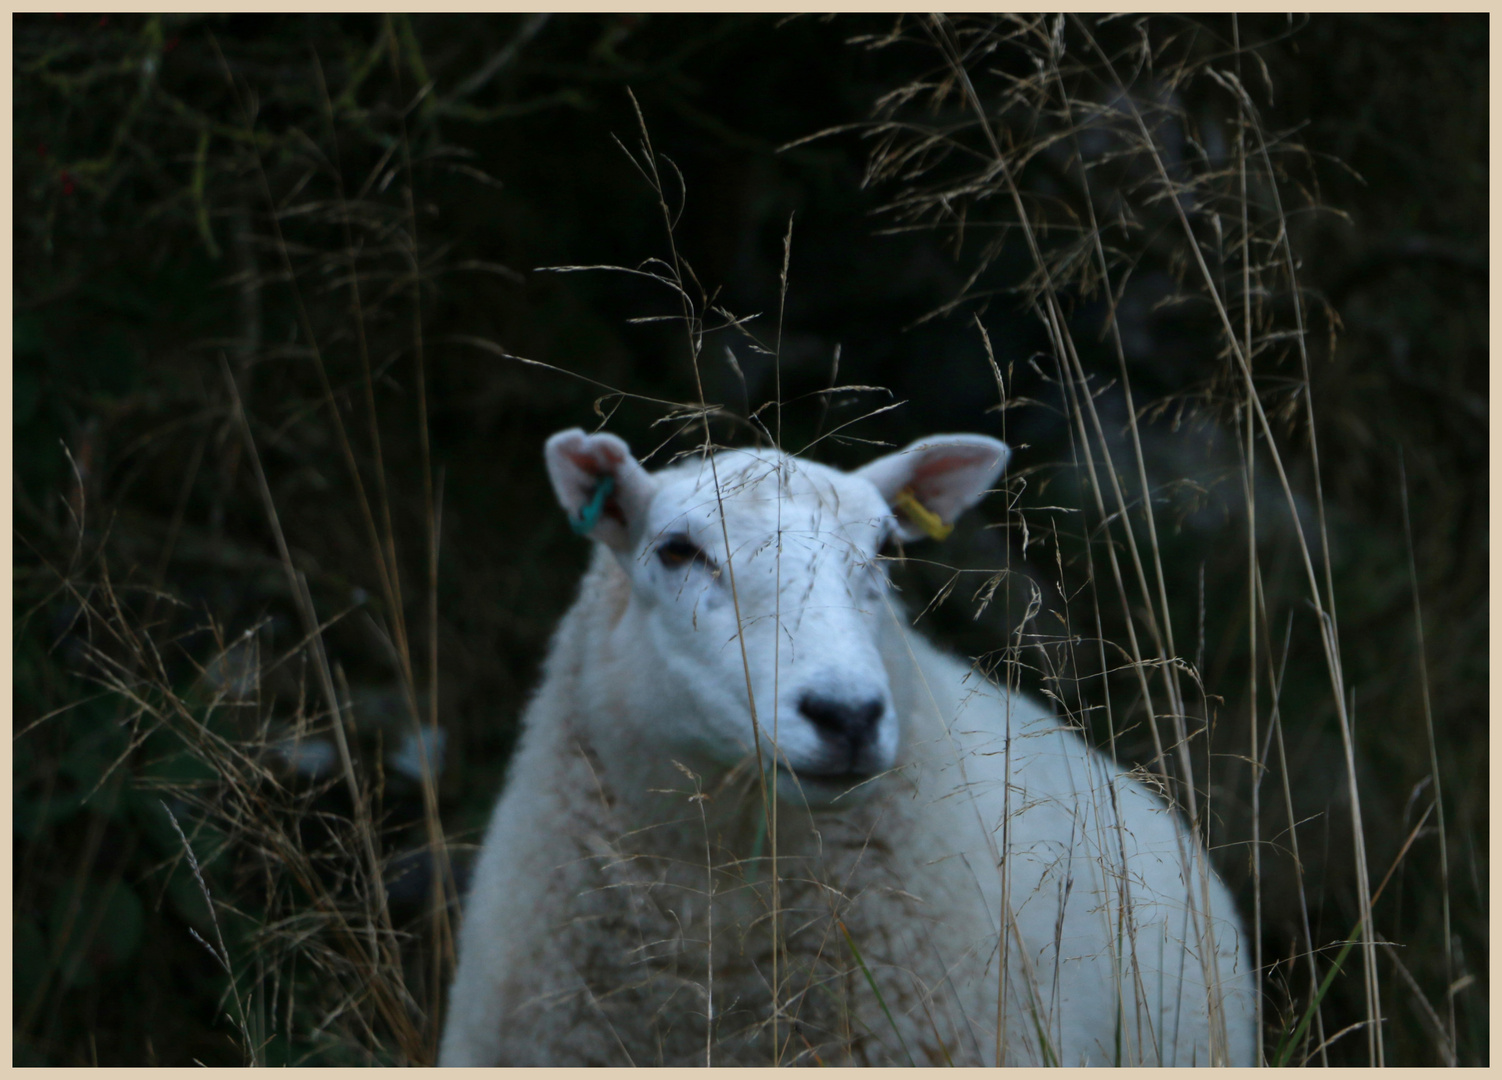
(829, 783)
(823, 776)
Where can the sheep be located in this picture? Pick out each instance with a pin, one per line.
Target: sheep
(754, 818)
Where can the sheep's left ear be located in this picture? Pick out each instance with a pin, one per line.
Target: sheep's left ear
(944, 474)
(600, 485)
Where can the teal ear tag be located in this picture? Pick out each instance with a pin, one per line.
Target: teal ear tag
(589, 517)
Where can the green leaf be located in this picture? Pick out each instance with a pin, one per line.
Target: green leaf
(121, 928)
(28, 964)
(26, 336)
(179, 769)
(26, 392)
(97, 929)
(31, 816)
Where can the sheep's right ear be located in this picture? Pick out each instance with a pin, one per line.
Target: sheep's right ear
(602, 488)
(944, 475)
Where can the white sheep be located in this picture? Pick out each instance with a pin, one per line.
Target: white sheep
(754, 818)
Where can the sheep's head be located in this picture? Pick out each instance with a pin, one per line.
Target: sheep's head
(757, 591)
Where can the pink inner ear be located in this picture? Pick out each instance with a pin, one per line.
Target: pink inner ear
(596, 460)
(939, 467)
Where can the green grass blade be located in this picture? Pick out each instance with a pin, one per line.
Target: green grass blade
(1285, 1049)
(855, 952)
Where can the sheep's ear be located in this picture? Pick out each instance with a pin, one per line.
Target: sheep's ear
(601, 487)
(944, 475)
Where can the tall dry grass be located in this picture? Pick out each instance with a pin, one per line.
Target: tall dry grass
(1120, 164)
(1112, 149)
(258, 757)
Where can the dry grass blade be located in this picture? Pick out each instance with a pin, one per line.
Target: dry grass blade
(1144, 172)
(287, 562)
(219, 953)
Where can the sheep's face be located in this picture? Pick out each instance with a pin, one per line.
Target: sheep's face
(797, 588)
(759, 601)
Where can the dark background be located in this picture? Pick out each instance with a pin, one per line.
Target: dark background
(148, 155)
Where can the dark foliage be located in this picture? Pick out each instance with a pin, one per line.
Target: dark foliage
(338, 222)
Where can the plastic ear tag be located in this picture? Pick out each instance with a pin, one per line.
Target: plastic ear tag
(589, 517)
(921, 515)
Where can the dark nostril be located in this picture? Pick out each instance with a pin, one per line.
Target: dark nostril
(850, 719)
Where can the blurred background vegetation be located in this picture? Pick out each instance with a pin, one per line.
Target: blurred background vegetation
(290, 262)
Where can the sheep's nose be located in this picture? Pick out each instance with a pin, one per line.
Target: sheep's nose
(852, 721)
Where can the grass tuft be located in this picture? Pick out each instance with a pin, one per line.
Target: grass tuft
(286, 563)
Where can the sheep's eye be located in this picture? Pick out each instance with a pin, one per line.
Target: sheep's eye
(677, 552)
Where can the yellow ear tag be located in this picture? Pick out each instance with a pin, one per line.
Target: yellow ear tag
(921, 515)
